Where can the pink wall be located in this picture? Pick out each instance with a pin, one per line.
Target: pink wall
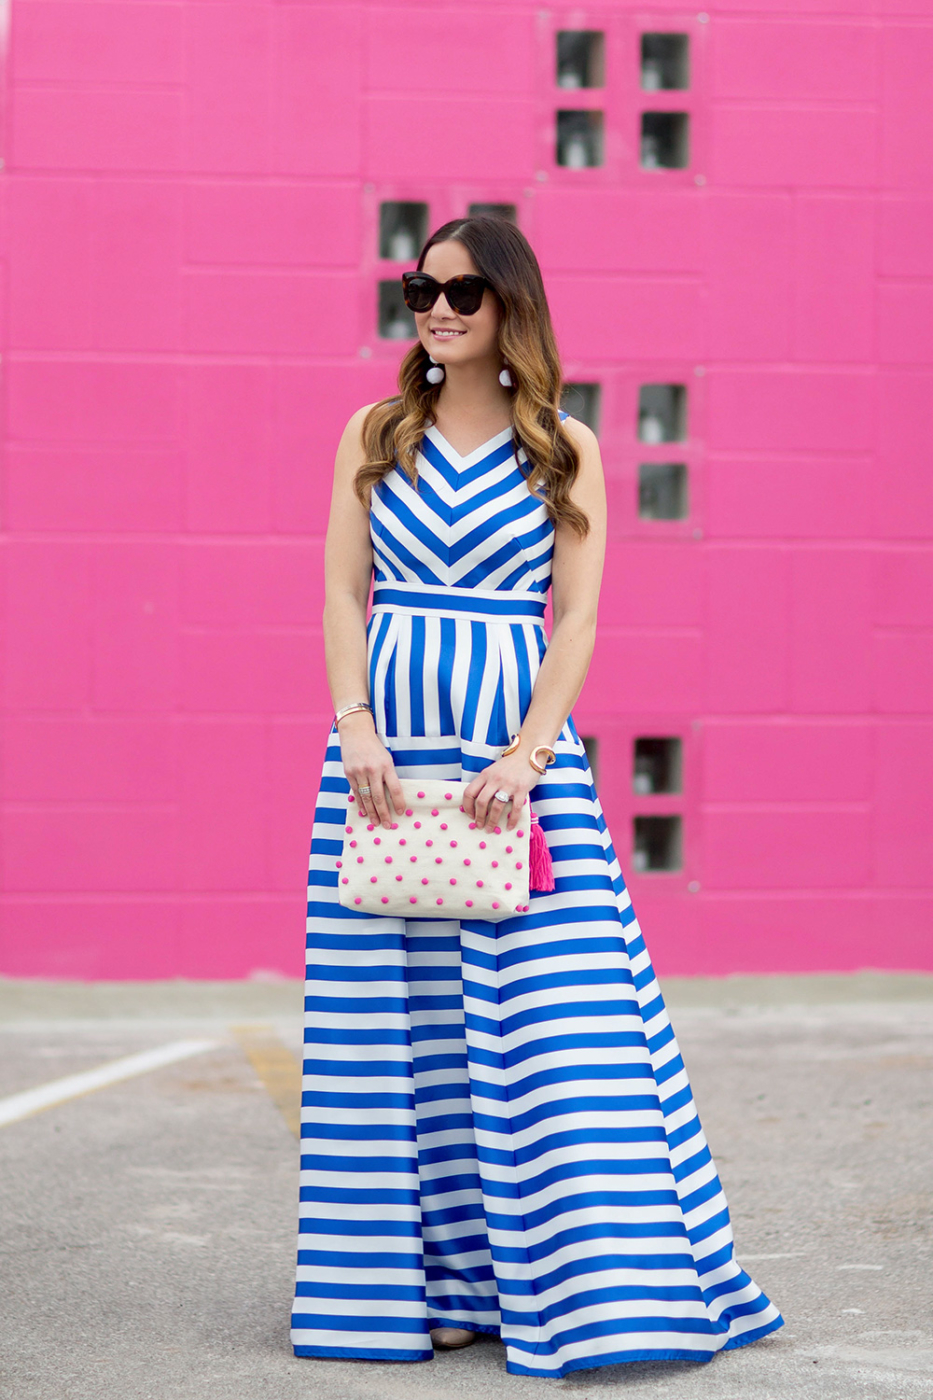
(190, 205)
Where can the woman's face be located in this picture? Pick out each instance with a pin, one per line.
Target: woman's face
(449, 337)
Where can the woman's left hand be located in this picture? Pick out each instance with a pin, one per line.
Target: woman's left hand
(513, 775)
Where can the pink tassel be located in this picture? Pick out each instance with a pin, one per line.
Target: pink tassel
(540, 869)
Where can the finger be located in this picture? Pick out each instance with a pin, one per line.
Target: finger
(364, 799)
(396, 795)
(494, 814)
(469, 802)
(379, 802)
(516, 812)
(483, 805)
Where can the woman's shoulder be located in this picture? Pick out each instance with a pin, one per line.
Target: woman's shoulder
(359, 417)
(581, 433)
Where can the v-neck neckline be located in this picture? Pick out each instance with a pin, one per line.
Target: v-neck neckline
(483, 447)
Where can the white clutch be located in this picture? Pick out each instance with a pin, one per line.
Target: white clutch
(434, 862)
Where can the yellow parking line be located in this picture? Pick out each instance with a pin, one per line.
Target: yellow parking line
(277, 1068)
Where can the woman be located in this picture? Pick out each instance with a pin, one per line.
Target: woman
(498, 1131)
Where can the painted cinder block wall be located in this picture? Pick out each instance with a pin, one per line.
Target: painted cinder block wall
(190, 203)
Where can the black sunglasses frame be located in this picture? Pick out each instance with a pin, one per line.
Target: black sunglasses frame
(468, 287)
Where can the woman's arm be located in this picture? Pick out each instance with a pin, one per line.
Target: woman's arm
(576, 575)
(348, 565)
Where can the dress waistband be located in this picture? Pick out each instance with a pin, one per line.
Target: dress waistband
(480, 604)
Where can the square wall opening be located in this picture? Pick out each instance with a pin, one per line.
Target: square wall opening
(581, 58)
(579, 139)
(657, 766)
(403, 229)
(663, 492)
(658, 844)
(662, 413)
(396, 322)
(665, 61)
(665, 140)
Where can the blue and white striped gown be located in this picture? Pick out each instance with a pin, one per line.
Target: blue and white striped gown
(498, 1131)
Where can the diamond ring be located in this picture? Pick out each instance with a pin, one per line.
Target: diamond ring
(504, 796)
(365, 791)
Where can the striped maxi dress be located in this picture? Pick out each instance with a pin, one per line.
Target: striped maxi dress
(498, 1131)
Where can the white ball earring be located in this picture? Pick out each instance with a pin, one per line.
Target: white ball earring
(505, 379)
(435, 375)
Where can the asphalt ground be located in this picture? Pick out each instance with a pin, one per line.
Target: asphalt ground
(148, 1225)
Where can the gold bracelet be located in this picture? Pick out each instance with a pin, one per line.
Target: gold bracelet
(516, 740)
(545, 748)
(349, 709)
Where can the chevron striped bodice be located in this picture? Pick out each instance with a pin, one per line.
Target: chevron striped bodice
(462, 567)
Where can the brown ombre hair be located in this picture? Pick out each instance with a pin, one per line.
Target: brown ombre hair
(394, 427)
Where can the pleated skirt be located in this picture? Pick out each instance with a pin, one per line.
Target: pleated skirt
(498, 1130)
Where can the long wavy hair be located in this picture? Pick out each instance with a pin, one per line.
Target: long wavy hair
(394, 427)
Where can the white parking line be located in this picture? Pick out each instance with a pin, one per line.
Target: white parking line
(73, 1085)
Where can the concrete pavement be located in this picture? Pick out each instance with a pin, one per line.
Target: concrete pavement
(148, 1226)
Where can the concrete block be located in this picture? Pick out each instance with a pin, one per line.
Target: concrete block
(586, 229)
(657, 672)
(747, 254)
(787, 761)
(135, 626)
(47, 660)
(253, 584)
(833, 278)
(250, 672)
(830, 630)
(228, 487)
(763, 933)
(793, 498)
(87, 128)
(653, 319)
(760, 58)
(50, 229)
(906, 107)
(905, 235)
(284, 224)
(316, 89)
(252, 313)
(746, 652)
(104, 488)
(236, 937)
(98, 43)
(903, 672)
(903, 587)
(903, 815)
(122, 848)
(790, 410)
(653, 585)
(89, 758)
(902, 484)
(229, 88)
(799, 146)
(905, 335)
(392, 122)
(804, 848)
(98, 401)
(90, 938)
(222, 809)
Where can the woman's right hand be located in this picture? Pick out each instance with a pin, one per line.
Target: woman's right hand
(368, 763)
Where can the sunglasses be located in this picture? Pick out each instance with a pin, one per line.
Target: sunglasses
(464, 293)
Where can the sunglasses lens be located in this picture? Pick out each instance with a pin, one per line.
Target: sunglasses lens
(420, 293)
(466, 295)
